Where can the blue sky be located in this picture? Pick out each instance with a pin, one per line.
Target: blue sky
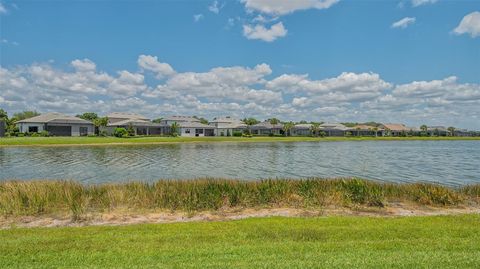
(415, 61)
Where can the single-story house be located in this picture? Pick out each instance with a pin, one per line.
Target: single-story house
(365, 130)
(394, 129)
(227, 126)
(266, 128)
(56, 124)
(141, 124)
(334, 129)
(304, 129)
(188, 128)
(437, 131)
(2, 127)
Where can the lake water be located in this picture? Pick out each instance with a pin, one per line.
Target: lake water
(447, 162)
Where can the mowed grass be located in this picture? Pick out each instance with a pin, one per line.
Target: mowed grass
(331, 242)
(32, 141)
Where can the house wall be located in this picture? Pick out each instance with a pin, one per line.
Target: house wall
(190, 132)
(24, 126)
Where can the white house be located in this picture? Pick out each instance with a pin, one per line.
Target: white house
(57, 125)
(188, 128)
(227, 126)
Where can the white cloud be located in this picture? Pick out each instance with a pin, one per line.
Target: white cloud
(403, 23)
(84, 65)
(151, 63)
(3, 10)
(416, 3)
(266, 34)
(283, 7)
(215, 7)
(197, 17)
(240, 91)
(470, 24)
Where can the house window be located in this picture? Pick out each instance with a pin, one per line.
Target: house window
(187, 131)
(33, 129)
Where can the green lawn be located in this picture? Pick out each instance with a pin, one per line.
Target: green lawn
(331, 242)
(15, 141)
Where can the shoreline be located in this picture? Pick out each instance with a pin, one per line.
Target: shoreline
(123, 218)
(51, 203)
(144, 141)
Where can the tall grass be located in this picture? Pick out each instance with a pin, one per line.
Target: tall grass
(21, 198)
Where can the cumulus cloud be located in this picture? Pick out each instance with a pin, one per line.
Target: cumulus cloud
(239, 91)
(470, 24)
(416, 3)
(151, 63)
(403, 23)
(262, 33)
(283, 7)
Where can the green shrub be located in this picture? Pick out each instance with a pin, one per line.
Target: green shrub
(44, 133)
(120, 132)
(237, 133)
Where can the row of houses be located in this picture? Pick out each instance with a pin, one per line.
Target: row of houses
(57, 124)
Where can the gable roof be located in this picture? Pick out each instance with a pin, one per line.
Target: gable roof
(225, 120)
(395, 127)
(303, 126)
(333, 126)
(124, 115)
(190, 124)
(134, 122)
(180, 118)
(55, 118)
(267, 125)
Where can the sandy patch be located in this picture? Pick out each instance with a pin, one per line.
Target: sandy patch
(127, 218)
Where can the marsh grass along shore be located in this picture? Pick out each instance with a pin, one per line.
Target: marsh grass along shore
(58, 141)
(68, 198)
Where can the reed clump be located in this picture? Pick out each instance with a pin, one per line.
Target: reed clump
(24, 198)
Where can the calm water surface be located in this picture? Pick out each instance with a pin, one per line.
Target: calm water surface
(447, 162)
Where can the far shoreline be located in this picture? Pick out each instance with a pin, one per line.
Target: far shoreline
(161, 140)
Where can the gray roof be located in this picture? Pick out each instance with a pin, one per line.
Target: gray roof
(189, 124)
(333, 126)
(225, 120)
(303, 126)
(55, 118)
(136, 123)
(267, 125)
(180, 118)
(124, 115)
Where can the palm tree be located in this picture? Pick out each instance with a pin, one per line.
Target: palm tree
(375, 129)
(424, 129)
(314, 128)
(174, 128)
(451, 131)
(287, 127)
(274, 122)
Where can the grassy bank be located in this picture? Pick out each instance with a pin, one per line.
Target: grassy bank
(34, 198)
(333, 242)
(32, 141)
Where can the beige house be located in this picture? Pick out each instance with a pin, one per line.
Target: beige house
(394, 129)
(56, 124)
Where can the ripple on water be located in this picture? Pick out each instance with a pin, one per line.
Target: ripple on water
(447, 162)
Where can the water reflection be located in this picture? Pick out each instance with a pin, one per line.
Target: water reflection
(447, 162)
